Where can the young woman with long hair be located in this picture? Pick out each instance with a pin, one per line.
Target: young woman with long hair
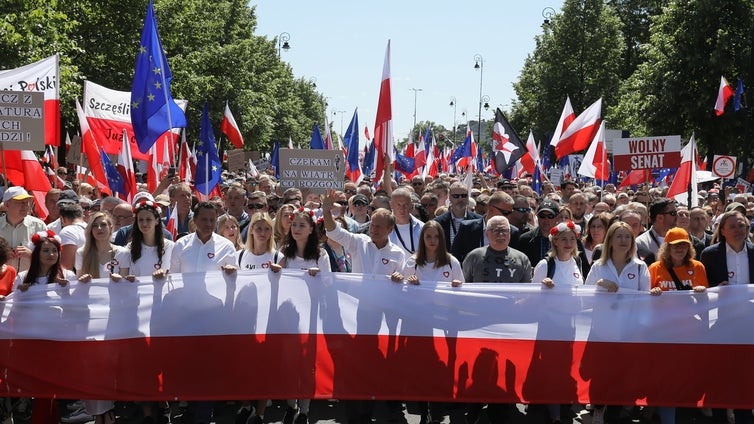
(283, 223)
(227, 226)
(148, 252)
(259, 250)
(594, 233)
(432, 262)
(562, 256)
(301, 250)
(45, 265)
(96, 258)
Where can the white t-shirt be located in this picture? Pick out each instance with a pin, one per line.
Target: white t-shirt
(104, 269)
(73, 234)
(149, 261)
(67, 274)
(323, 263)
(251, 261)
(428, 272)
(566, 272)
(191, 255)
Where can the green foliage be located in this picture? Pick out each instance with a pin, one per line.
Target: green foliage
(673, 91)
(577, 55)
(211, 49)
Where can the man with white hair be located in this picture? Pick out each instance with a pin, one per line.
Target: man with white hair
(407, 228)
(17, 226)
(497, 262)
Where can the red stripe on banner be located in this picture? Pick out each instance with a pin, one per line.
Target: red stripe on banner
(347, 367)
(52, 122)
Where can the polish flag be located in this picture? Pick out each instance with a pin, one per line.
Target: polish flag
(595, 164)
(724, 93)
(90, 149)
(567, 116)
(230, 128)
(154, 170)
(42, 76)
(383, 122)
(506, 343)
(581, 131)
(24, 169)
(253, 171)
(172, 224)
(125, 168)
(186, 167)
(531, 157)
(684, 184)
(328, 135)
(430, 168)
(635, 177)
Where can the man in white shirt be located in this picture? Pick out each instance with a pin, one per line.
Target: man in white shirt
(17, 226)
(203, 250)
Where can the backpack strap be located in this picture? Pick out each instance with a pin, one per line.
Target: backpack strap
(550, 267)
(240, 256)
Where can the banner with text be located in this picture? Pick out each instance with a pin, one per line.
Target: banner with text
(311, 169)
(22, 122)
(647, 152)
(257, 334)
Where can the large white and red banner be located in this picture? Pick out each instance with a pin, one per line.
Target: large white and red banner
(109, 114)
(348, 336)
(41, 76)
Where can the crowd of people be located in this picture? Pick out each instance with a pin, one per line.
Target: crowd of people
(415, 231)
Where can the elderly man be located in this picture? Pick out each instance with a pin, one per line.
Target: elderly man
(456, 214)
(180, 195)
(407, 227)
(497, 263)
(235, 202)
(472, 233)
(17, 226)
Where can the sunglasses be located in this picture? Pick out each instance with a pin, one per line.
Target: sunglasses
(417, 184)
(255, 206)
(499, 231)
(522, 210)
(349, 191)
(459, 196)
(671, 213)
(546, 216)
(502, 211)
(359, 204)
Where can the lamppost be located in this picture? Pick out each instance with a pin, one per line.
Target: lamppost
(283, 39)
(341, 112)
(547, 14)
(415, 90)
(454, 105)
(479, 64)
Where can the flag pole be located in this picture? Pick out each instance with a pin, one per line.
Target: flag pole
(206, 176)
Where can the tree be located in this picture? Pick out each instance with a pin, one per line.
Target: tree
(673, 91)
(577, 55)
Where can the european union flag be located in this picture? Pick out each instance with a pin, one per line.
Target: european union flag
(317, 142)
(351, 140)
(368, 162)
(275, 159)
(153, 111)
(208, 165)
(738, 95)
(403, 163)
(463, 151)
(114, 179)
(536, 183)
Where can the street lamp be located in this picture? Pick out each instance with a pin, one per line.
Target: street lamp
(283, 39)
(454, 105)
(341, 112)
(547, 14)
(479, 64)
(415, 90)
(486, 102)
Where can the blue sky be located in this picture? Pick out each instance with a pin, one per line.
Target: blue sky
(342, 45)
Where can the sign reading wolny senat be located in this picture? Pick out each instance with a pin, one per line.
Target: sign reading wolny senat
(647, 152)
(313, 170)
(22, 124)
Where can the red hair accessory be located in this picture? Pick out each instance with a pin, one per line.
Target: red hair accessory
(565, 226)
(147, 204)
(41, 236)
(306, 210)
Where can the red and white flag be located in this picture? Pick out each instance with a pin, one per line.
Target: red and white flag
(328, 136)
(595, 164)
(529, 160)
(109, 113)
(430, 168)
(581, 131)
(383, 122)
(42, 76)
(567, 116)
(186, 162)
(91, 149)
(684, 183)
(724, 93)
(230, 128)
(24, 169)
(125, 168)
(172, 224)
(636, 177)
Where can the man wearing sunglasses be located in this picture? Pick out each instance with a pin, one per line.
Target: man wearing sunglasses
(457, 213)
(472, 233)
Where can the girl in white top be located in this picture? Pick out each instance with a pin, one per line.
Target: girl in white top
(618, 267)
(148, 252)
(97, 258)
(259, 250)
(432, 262)
(563, 252)
(45, 265)
(301, 251)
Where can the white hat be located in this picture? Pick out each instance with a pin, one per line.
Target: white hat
(15, 193)
(142, 195)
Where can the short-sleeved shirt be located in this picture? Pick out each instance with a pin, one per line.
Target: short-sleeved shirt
(690, 275)
(149, 261)
(20, 235)
(428, 272)
(485, 264)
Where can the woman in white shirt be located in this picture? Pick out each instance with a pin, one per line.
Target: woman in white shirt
(432, 262)
(259, 250)
(45, 267)
(618, 267)
(563, 255)
(301, 250)
(148, 252)
(97, 258)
